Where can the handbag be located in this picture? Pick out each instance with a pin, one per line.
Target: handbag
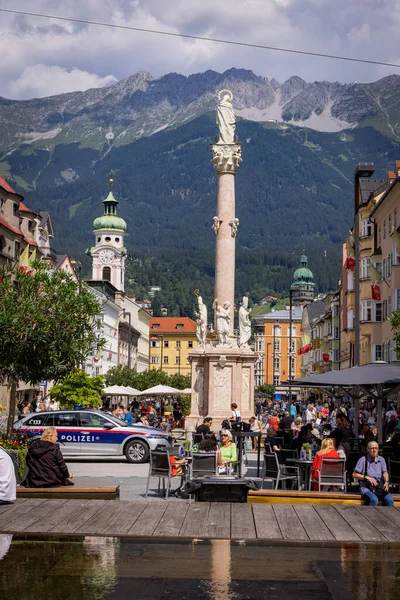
(378, 490)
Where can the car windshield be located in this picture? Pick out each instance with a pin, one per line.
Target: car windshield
(117, 421)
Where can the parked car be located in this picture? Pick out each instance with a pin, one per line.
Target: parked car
(95, 433)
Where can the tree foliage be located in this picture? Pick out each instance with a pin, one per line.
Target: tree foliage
(123, 375)
(46, 328)
(78, 388)
(394, 320)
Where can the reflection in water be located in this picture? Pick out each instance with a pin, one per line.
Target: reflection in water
(93, 568)
(5, 542)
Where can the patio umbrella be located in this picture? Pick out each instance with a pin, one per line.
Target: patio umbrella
(377, 380)
(187, 391)
(161, 390)
(132, 391)
(116, 390)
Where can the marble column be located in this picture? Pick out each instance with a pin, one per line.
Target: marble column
(226, 159)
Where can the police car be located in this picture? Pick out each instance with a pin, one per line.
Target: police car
(94, 433)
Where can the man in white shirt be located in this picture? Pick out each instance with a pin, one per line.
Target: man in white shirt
(311, 413)
(8, 485)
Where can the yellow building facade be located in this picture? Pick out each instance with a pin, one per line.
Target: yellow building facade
(172, 339)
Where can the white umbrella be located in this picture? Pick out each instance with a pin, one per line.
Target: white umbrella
(161, 390)
(132, 391)
(187, 391)
(117, 390)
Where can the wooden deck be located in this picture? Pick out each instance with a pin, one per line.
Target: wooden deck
(163, 519)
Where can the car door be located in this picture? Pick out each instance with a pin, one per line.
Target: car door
(68, 429)
(99, 435)
(35, 425)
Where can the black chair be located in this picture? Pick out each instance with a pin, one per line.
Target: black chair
(394, 472)
(278, 472)
(203, 464)
(280, 441)
(285, 453)
(160, 467)
(197, 437)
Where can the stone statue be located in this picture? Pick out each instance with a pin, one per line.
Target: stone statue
(244, 323)
(216, 224)
(201, 322)
(223, 320)
(234, 224)
(226, 119)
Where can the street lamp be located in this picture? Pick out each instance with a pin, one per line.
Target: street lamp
(124, 315)
(274, 354)
(290, 343)
(362, 170)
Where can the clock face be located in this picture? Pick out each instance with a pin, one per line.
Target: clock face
(106, 257)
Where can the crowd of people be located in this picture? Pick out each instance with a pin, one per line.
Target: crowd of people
(40, 403)
(151, 413)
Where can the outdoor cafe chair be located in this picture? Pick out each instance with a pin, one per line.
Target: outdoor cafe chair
(197, 437)
(160, 467)
(279, 473)
(394, 472)
(285, 453)
(331, 474)
(203, 464)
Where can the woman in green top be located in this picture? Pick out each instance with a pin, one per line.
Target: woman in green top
(228, 453)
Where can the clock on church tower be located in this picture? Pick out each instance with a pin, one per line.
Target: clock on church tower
(108, 253)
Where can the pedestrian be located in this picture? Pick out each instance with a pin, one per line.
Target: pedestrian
(177, 411)
(258, 409)
(235, 416)
(256, 426)
(205, 427)
(8, 485)
(127, 417)
(46, 466)
(371, 471)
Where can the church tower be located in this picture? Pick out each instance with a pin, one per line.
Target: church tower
(303, 283)
(109, 254)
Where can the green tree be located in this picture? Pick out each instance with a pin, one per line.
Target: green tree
(394, 320)
(46, 326)
(78, 388)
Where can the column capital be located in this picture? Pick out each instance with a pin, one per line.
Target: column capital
(226, 157)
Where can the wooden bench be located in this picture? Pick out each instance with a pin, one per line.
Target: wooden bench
(304, 497)
(78, 492)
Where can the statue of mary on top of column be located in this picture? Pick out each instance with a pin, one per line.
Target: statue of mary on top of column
(226, 119)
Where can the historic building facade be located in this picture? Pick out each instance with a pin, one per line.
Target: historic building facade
(172, 339)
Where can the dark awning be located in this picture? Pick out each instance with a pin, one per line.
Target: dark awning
(369, 375)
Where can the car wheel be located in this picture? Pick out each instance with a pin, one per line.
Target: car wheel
(137, 451)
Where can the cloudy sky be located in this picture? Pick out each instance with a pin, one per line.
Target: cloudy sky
(42, 57)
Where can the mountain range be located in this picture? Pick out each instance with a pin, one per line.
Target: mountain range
(301, 142)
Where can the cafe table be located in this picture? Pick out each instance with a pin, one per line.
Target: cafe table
(305, 471)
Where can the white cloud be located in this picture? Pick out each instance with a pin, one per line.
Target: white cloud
(39, 81)
(363, 28)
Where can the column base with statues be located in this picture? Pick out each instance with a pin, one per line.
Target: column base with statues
(221, 376)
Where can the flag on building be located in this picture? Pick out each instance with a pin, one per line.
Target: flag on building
(116, 324)
(350, 247)
(24, 258)
(375, 292)
(396, 238)
(374, 274)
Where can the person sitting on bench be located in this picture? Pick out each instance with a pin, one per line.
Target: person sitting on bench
(46, 463)
(8, 484)
(372, 473)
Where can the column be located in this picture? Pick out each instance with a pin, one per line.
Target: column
(226, 159)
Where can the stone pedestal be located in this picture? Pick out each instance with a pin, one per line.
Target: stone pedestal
(221, 376)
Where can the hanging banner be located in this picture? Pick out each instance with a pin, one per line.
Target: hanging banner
(375, 292)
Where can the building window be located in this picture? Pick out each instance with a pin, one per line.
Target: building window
(17, 250)
(350, 281)
(155, 343)
(277, 329)
(378, 312)
(364, 268)
(293, 368)
(336, 333)
(335, 311)
(336, 356)
(384, 229)
(177, 360)
(97, 371)
(179, 326)
(15, 210)
(30, 226)
(155, 326)
(155, 360)
(106, 273)
(177, 344)
(99, 239)
(396, 300)
(366, 310)
(277, 363)
(117, 240)
(107, 239)
(350, 319)
(277, 347)
(390, 224)
(2, 243)
(166, 344)
(379, 235)
(277, 380)
(190, 344)
(165, 360)
(293, 331)
(377, 352)
(366, 226)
